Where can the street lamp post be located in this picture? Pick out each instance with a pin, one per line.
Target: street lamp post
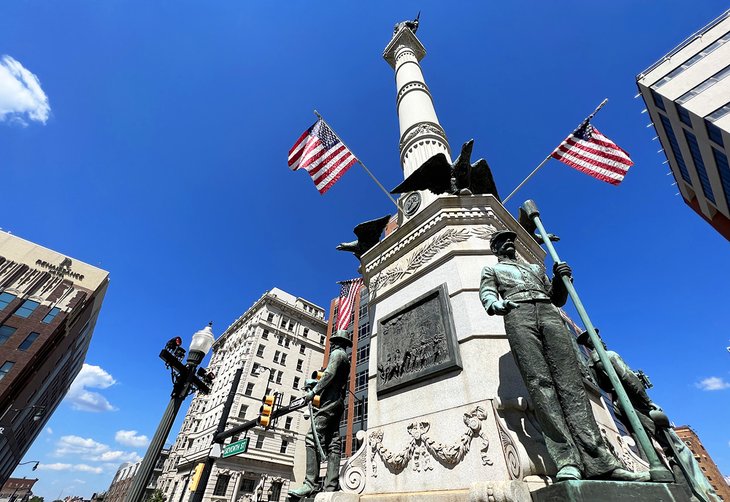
(186, 380)
(37, 416)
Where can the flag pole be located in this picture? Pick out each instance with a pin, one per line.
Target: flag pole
(588, 118)
(360, 162)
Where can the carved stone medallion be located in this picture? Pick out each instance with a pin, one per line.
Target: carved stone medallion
(411, 203)
(417, 342)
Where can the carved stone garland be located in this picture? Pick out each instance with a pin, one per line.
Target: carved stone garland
(422, 447)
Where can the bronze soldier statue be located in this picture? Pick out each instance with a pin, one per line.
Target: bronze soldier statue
(326, 419)
(544, 353)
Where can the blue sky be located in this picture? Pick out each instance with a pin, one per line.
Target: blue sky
(160, 156)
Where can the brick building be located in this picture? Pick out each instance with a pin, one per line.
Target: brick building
(708, 466)
(49, 305)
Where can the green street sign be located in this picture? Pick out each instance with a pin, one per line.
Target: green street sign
(235, 448)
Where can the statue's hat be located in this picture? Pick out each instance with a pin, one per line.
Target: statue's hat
(341, 338)
(584, 337)
(498, 237)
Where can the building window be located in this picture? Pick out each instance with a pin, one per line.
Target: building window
(363, 310)
(280, 340)
(321, 339)
(51, 315)
(259, 441)
(675, 149)
(723, 170)
(28, 341)
(255, 369)
(694, 59)
(248, 485)
(284, 444)
(275, 491)
(300, 362)
(343, 420)
(249, 388)
(287, 424)
(27, 308)
(5, 368)
(5, 333)
(270, 317)
(260, 350)
(302, 348)
(221, 485)
(287, 342)
(719, 113)
(277, 354)
(698, 89)
(282, 324)
(363, 354)
(361, 380)
(5, 299)
(694, 149)
(363, 331)
(279, 374)
(242, 411)
(296, 382)
(305, 332)
(714, 132)
(265, 334)
(658, 101)
(283, 359)
(684, 116)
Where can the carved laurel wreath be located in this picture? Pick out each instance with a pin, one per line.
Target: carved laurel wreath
(427, 252)
(421, 448)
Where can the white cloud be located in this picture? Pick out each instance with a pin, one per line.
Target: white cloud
(93, 377)
(49, 430)
(89, 450)
(21, 96)
(712, 383)
(70, 467)
(131, 438)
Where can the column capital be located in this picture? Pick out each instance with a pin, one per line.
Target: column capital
(405, 38)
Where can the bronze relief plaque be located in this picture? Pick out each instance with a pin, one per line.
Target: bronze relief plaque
(417, 342)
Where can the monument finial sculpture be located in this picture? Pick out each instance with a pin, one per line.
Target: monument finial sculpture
(543, 351)
(411, 25)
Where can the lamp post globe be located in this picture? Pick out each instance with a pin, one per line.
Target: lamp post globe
(200, 345)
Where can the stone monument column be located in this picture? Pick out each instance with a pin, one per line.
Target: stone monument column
(421, 134)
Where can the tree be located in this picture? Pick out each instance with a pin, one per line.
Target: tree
(156, 496)
(35, 498)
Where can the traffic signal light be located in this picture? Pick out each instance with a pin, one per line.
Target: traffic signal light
(195, 478)
(267, 408)
(173, 343)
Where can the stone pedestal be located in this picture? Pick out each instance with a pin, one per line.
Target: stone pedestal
(447, 407)
(610, 491)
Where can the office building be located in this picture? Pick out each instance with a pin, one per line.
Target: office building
(278, 342)
(687, 95)
(49, 305)
(708, 466)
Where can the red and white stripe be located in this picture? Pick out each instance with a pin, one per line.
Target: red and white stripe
(345, 302)
(598, 157)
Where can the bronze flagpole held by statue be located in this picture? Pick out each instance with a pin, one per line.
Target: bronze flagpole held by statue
(656, 469)
(360, 162)
(588, 118)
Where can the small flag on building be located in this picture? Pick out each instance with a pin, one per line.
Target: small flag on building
(345, 302)
(321, 153)
(591, 152)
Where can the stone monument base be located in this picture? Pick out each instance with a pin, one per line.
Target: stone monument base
(605, 491)
(494, 491)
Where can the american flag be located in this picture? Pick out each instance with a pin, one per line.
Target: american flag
(591, 152)
(322, 154)
(345, 302)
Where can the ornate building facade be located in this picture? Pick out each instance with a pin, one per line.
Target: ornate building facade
(278, 342)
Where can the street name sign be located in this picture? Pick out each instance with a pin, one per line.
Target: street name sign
(235, 448)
